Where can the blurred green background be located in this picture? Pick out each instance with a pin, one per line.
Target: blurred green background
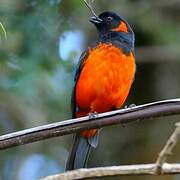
(37, 63)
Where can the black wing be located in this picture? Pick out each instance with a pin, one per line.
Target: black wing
(80, 65)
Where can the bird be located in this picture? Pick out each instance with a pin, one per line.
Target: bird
(103, 79)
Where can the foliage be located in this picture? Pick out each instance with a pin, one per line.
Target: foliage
(3, 31)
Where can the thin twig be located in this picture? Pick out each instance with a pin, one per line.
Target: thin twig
(89, 6)
(142, 169)
(142, 112)
(167, 150)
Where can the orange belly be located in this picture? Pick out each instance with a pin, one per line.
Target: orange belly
(105, 80)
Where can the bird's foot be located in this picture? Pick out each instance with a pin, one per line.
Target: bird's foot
(130, 106)
(93, 115)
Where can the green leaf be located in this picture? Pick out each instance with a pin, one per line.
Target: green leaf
(2, 30)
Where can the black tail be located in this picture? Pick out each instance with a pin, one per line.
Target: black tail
(80, 151)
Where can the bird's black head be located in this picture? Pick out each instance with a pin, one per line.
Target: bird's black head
(113, 27)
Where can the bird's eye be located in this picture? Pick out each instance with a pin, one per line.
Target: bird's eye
(109, 18)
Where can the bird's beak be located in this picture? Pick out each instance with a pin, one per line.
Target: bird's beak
(95, 20)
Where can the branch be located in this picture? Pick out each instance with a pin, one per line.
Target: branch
(142, 169)
(142, 112)
(159, 168)
(167, 150)
(89, 6)
(160, 53)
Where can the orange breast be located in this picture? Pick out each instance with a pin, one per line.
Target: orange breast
(105, 80)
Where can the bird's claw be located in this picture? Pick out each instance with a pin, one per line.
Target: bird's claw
(93, 115)
(130, 106)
